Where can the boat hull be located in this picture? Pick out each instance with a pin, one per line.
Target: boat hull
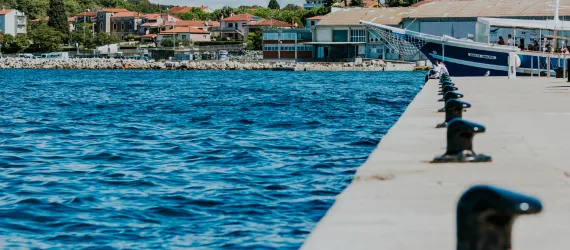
(462, 60)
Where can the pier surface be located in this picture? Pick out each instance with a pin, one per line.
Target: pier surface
(398, 200)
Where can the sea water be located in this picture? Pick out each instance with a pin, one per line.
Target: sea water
(183, 159)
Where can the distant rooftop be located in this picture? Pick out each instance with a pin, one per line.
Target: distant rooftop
(270, 23)
(127, 14)
(242, 17)
(352, 16)
(184, 30)
(5, 11)
(315, 18)
(113, 10)
(184, 9)
(484, 8)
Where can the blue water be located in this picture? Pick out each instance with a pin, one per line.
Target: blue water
(183, 159)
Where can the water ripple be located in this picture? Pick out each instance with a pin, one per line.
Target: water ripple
(175, 159)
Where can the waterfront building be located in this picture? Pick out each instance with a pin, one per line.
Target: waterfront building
(311, 4)
(458, 18)
(287, 44)
(184, 33)
(12, 22)
(312, 21)
(153, 23)
(126, 23)
(339, 36)
(103, 19)
(234, 26)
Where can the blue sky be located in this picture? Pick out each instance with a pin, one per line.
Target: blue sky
(220, 3)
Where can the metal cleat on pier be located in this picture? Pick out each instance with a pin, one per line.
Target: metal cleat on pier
(447, 88)
(453, 109)
(460, 143)
(450, 95)
(486, 214)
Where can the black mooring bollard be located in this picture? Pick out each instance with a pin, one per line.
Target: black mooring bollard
(460, 142)
(486, 214)
(446, 82)
(453, 109)
(447, 88)
(450, 95)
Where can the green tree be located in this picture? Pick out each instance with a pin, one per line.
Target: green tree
(46, 38)
(33, 8)
(58, 18)
(356, 3)
(274, 5)
(167, 42)
(186, 43)
(255, 40)
(292, 7)
(103, 38)
(132, 37)
(83, 35)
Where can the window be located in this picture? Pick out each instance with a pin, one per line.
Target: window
(114, 26)
(130, 26)
(100, 26)
(183, 37)
(270, 47)
(230, 25)
(340, 35)
(270, 36)
(358, 35)
(288, 36)
(304, 36)
(122, 26)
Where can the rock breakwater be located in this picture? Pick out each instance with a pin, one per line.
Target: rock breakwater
(100, 63)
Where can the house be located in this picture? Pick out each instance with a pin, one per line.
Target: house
(12, 22)
(234, 26)
(153, 23)
(287, 44)
(312, 21)
(184, 33)
(103, 19)
(311, 4)
(184, 9)
(89, 17)
(125, 23)
(339, 35)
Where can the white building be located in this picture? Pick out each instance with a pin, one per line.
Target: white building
(12, 22)
(185, 33)
(340, 36)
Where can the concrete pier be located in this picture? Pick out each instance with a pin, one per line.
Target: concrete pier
(398, 200)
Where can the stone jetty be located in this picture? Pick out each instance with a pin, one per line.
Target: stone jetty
(399, 200)
(100, 63)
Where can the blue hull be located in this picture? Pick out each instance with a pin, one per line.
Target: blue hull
(463, 61)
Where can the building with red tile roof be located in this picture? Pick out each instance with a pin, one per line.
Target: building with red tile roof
(235, 27)
(184, 33)
(13, 22)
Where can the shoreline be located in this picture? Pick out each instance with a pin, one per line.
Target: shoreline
(105, 64)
